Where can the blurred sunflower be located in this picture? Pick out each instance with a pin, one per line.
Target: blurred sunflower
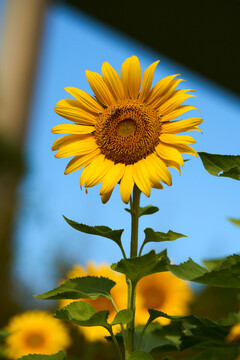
(126, 134)
(234, 334)
(35, 332)
(164, 292)
(118, 292)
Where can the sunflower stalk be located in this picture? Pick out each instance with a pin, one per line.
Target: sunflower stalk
(134, 205)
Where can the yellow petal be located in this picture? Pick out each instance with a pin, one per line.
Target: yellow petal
(160, 89)
(64, 140)
(99, 88)
(126, 184)
(161, 168)
(174, 101)
(186, 149)
(79, 162)
(69, 103)
(81, 146)
(152, 174)
(181, 125)
(141, 178)
(72, 129)
(106, 196)
(113, 81)
(75, 114)
(147, 81)
(131, 77)
(177, 139)
(173, 164)
(178, 112)
(94, 172)
(167, 152)
(86, 101)
(112, 178)
(167, 94)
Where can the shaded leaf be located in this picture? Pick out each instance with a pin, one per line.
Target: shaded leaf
(59, 356)
(225, 274)
(190, 331)
(189, 319)
(204, 355)
(221, 165)
(138, 267)
(140, 355)
(103, 231)
(90, 287)
(123, 317)
(231, 319)
(83, 314)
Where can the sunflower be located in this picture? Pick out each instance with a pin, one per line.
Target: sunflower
(234, 334)
(164, 292)
(118, 292)
(35, 332)
(126, 134)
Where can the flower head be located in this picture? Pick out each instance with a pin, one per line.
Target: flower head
(118, 292)
(126, 134)
(164, 292)
(234, 334)
(35, 332)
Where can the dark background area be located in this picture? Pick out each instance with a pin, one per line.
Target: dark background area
(202, 35)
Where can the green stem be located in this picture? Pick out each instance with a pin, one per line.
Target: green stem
(116, 344)
(141, 336)
(135, 217)
(122, 327)
(123, 252)
(134, 204)
(141, 249)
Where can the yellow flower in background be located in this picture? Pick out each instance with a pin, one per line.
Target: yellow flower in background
(234, 334)
(35, 332)
(118, 292)
(127, 134)
(164, 292)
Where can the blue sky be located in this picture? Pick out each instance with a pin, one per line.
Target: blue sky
(196, 205)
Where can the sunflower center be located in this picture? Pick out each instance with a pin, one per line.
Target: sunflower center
(35, 340)
(153, 297)
(126, 128)
(127, 132)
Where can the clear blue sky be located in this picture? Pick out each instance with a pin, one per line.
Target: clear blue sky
(197, 204)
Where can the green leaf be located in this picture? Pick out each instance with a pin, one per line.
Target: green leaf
(189, 319)
(137, 267)
(204, 355)
(225, 274)
(140, 355)
(146, 210)
(222, 165)
(187, 332)
(3, 334)
(234, 221)
(83, 314)
(88, 287)
(103, 231)
(231, 319)
(59, 356)
(123, 317)
(157, 236)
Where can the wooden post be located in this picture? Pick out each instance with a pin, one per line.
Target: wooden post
(23, 20)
